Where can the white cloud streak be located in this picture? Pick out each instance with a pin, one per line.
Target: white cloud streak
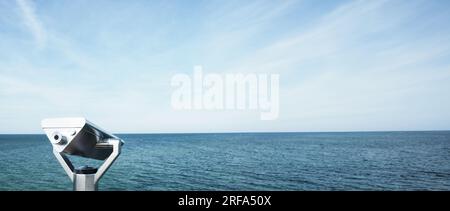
(31, 20)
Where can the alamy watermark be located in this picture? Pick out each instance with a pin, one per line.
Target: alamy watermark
(227, 92)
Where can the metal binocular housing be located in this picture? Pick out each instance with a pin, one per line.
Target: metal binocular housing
(79, 137)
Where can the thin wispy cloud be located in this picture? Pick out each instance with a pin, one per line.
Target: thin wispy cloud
(48, 38)
(33, 23)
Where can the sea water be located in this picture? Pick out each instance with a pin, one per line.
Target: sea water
(245, 161)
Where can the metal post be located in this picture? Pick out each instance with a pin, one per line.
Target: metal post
(84, 182)
(84, 179)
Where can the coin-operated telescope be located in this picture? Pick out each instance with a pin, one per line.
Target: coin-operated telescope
(79, 137)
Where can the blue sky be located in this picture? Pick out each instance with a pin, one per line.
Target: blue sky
(343, 65)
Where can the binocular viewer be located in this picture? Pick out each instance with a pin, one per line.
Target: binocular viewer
(79, 137)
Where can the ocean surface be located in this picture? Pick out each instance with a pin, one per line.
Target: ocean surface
(245, 161)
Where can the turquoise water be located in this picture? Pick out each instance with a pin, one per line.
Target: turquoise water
(247, 161)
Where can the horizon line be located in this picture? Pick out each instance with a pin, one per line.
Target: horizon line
(249, 132)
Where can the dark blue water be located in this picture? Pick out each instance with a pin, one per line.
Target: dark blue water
(251, 161)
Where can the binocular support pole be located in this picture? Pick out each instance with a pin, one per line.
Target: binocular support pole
(88, 180)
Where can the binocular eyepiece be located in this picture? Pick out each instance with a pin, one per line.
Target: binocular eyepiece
(58, 138)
